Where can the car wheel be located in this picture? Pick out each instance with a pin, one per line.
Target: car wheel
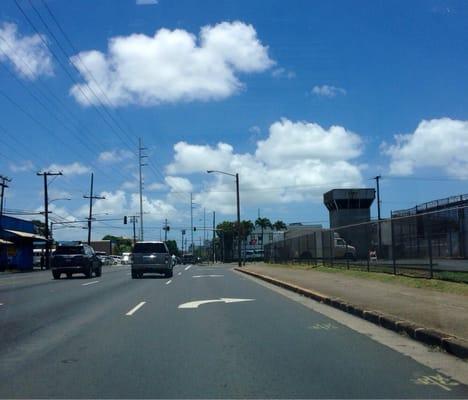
(98, 272)
(169, 274)
(69, 275)
(56, 275)
(140, 275)
(134, 275)
(89, 273)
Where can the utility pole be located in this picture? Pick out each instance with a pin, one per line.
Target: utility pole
(238, 223)
(134, 220)
(191, 219)
(377, 179)
(165, 230)
(213, 243)
(182, 234)
(141, 156)
(91, 198)
(4, 185)
(46, 174)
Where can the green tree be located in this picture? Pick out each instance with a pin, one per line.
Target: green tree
(172, 246)
(40, 226)
(280, 226)
(225, 231)
(122, 245)
(263, 223)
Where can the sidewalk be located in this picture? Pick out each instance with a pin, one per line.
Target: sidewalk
(440, 311)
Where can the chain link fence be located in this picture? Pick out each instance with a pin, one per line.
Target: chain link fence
(415, 243)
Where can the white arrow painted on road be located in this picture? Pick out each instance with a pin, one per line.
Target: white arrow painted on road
(196, 304)
(207, 276)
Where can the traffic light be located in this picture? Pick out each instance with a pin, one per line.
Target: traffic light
(194, 228)
(166, 228)
(125, 220)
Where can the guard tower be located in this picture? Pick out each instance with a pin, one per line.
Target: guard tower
(349, 207)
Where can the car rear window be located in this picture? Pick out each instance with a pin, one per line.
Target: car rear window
(149, 248)
(69, 250)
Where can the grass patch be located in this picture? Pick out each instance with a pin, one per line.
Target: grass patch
(414, 282)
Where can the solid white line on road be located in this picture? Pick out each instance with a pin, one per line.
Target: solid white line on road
(169, 281)
(188, 267)
(180, 273)
(89, 283)
(207, 276)
(136, 308)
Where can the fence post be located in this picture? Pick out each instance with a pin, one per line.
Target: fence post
(392, 233)
(368, 263)
(429, 248)
(332, 245)
(347, 262)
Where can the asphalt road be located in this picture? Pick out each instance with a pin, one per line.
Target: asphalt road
(114, 337)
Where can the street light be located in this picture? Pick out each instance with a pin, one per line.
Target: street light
(60, 198)
(236, 175)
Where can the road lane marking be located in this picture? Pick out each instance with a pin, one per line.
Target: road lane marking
(437, 380)
(187, 267)
(180, 273)
(169, 281)
(89, 283)
(197, 303)
(135, 309)
(207, 276)
(324, 326)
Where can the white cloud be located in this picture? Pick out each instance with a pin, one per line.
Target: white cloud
(173, 66)
(114, 156)
(146, 2)
(129, 185)
(155, 186)
(437, 143)
(298, 161)
(255, 129)
(328, 91)
(23, 166)
(75, 168)
(283, 73)
(157, 209)
(289, 141)
(179, 184)
(195, 158)
(28, 55)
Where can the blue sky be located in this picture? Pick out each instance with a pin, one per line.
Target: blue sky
(303, 97)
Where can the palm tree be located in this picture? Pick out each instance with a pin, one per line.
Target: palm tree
(280, 226)
(263, 223)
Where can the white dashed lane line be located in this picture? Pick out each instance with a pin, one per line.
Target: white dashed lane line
(169, 281)
(188, 267)
(180, 273)
(89, 283)
(135, 309)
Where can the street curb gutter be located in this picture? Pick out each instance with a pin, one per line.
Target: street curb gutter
(451, 344)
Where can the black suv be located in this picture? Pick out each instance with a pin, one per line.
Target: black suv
(75, 258)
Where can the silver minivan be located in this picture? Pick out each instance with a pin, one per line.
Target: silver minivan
(151, 257)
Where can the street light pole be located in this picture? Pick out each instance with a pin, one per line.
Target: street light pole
(238, 224)
(238, 212)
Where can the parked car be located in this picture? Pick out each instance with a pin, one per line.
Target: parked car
(72, 258)
(188, 259)
(126, 258)
(151, 257)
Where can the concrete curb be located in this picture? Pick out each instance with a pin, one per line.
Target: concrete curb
(451, 344)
